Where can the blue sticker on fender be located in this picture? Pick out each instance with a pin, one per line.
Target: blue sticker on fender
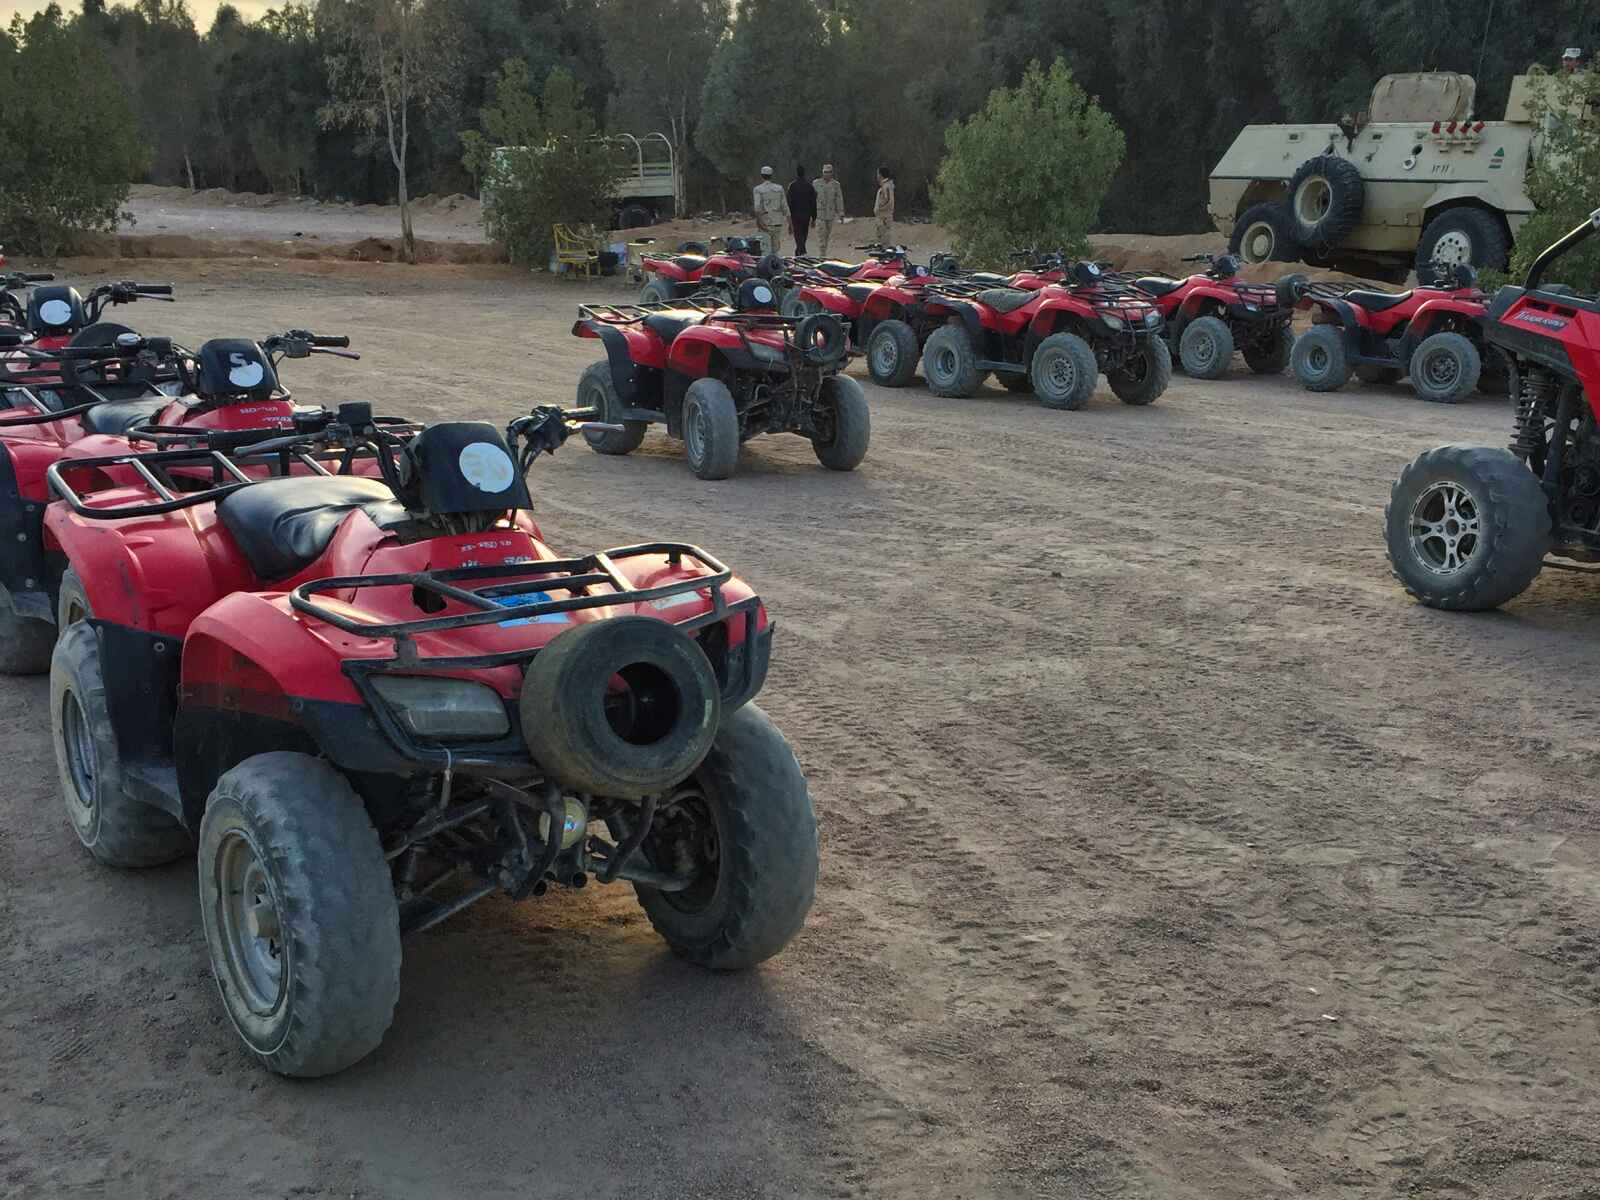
(522, 598)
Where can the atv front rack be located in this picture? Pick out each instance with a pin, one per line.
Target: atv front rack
(631, 314)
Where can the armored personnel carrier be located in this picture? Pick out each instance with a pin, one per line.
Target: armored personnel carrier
(1413, 180)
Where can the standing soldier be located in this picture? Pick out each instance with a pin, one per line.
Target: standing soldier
(802, 208)
(883, 206)
(830, 206)
(772, 211)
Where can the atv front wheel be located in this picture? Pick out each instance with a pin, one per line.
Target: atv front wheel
(1445, 368)
(299, 913)
(1063, 371)
(744, 826)
(1206, 348)
(597, 389)
(118, 830)
(950, 363)
(1273, 357)
(852, 426)
(1144, 374)
(656, 291)
(1321, 360)
(796, 306)
(1467, 528)
(892, 354)
(25, 642)
(710, 429)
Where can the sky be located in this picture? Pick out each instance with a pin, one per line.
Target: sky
(202, 10)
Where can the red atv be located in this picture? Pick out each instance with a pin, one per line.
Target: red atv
(373, 702)
(687, 274)
(1053, 341)
(1433, 333)
(1210, 315)
(1469, 527)
(13, 313)
(99, 398)
(882, 262)
(718, 377)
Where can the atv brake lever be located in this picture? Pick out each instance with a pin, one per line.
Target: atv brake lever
(350, 354)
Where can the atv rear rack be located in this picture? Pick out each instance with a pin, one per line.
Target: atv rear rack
(43, 414)
(629, 314)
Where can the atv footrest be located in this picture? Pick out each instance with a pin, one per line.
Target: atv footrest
(1559, 564)
(1004, 368)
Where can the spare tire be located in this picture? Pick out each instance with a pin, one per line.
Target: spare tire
(1326, 196)
(771, 266)
(821, 339)
(1290, 288)
(624, 707)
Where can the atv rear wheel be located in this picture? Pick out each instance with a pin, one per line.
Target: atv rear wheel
(1272, 358)
(1144, 374)
(1265, 233)
(1321, 360)
(299, 912)
(1467, 528)
(1063, 371)
(25, 642)
(1206, 348)
(117, 830)
(1371, 373)
(710, 429)
(852, 426)
(795, 305)
(892, 354)
(950, 363)
(597, 389)
(746, 824)
(656, 291)
(1445, 368)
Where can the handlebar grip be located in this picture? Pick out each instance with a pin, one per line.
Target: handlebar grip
(335, 341)
(153, 289)
(37, 276)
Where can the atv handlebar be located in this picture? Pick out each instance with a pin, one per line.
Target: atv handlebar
(302, 343)
(1559, 247)
(24, 278)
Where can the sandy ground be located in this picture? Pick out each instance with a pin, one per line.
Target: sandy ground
(1168, 850)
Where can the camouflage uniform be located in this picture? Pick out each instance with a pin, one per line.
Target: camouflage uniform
(772, 213)
(883, 209)
(830, 208)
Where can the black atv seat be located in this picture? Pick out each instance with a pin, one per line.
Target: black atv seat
(119, 416)
(689, 262)
(1157, 285)
(1004, 300)
(281, 525)
(1377, 301)
(989, 277)
(839, 270)
(859, 291)
(666, 328)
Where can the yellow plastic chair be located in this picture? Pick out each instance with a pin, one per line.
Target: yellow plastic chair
(575, 250)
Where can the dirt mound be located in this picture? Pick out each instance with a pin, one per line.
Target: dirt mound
(388, 250)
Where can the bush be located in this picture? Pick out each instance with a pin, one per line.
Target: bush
(538, 162)
(1028, 170)
(1564, 183)
(68, 140)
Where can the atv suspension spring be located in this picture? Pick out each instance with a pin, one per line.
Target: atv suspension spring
(1536, 390)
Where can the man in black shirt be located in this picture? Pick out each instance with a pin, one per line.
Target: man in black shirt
(802, 208)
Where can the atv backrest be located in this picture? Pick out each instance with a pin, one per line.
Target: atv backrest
(230, 367)
(55, 311)
(460, 467)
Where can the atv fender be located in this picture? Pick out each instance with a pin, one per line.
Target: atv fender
(629, 351)
(691, 352)
(1433, 315)
(969, 316)
(669, 271)
(1333, 311)
(23, 571)
(1201, 300)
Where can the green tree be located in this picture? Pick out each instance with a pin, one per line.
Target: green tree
(1564, 183)
(1031, 168)
(387, 60)
(68, 140)
(539, 161)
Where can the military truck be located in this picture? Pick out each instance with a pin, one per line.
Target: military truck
(1413, 180)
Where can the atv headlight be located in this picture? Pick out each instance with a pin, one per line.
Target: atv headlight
(1152, 318)
(1115, 322)
(440, 709)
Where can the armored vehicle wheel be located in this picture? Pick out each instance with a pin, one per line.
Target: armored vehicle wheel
(1264, 233)
(710, 429)
(598, 390)
(1464, 235)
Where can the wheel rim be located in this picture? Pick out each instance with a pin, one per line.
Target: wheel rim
(1317, 359)
(1312, 201)
(1441, 371)
(885, 356)
(1060, 375)
(247, 918)
(1203, 350)
(696, 433)
(78, 744)
(944, 363)
(1444, 528)
(1453, 248)
(1137, 367)
(1258, 242)
(684, 838)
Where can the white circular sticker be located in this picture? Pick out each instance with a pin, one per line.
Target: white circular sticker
(486, 467)
(763, 295)
(244, 372)
(55, 312)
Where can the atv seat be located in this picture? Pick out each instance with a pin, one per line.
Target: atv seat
(119, 416)
(859, 292)
(1157, 285)
(1377, 301)
(1004, 300)
(689, 262)
(666, 328)
(281, 525)
(839, 270)
(989, 277)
